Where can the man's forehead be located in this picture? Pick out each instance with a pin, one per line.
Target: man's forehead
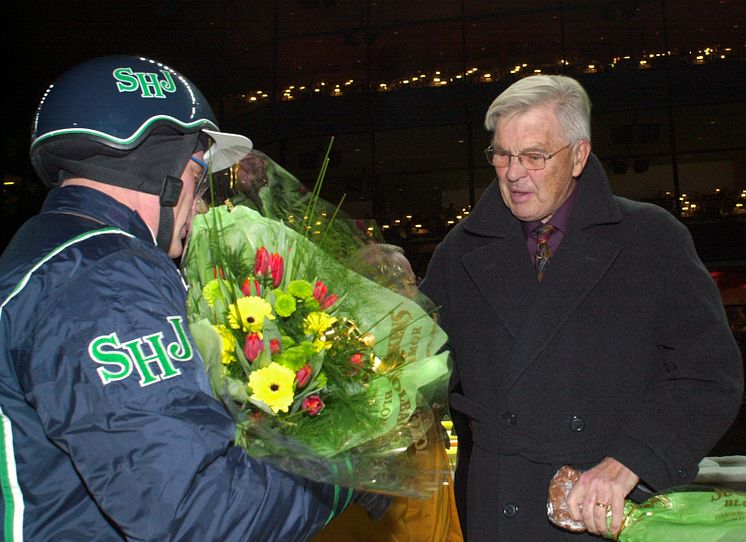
(532, 127)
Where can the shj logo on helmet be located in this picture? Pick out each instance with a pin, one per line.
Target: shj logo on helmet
(156, 364)
(150, 84)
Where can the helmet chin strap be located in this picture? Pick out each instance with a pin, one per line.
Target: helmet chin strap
(169, 196)
(165, 228)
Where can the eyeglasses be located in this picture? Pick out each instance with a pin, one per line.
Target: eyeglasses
(530, 160)
(200, 186)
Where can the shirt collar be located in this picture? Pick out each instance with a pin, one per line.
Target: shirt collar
(560, 219)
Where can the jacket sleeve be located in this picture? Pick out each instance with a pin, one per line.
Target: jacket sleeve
(435, 285)
(120, 388)
(699, 386)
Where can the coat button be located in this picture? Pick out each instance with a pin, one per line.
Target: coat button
(511, 418)
(682, 472)
(577, 424)
(510, 510)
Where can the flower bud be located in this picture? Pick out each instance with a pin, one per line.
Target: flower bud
(276, 268)
(261, 262)
(312, 405)
(356, 360)
(302, 376)
(329, 301)
(319, 291)
(248, 284)
(253, 346)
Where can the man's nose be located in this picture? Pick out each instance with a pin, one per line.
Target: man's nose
(515, 169)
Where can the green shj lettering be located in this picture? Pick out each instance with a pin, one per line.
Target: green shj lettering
(181, 350)
(150, 86)
(144, 363)
(167, 84)
(126, 81)
(105, 350)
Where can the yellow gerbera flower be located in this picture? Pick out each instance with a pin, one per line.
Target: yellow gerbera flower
(228, 355)
(248, 314)
(273, 386)
(316, 323)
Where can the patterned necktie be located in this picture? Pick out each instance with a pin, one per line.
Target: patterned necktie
(543, 253)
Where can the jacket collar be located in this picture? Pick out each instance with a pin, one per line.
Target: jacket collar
(594, 205)
(97, 206)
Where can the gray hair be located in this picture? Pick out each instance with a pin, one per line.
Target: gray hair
(572, 105)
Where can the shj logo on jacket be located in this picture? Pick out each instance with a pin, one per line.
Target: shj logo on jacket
(153, 360)
(151, 85)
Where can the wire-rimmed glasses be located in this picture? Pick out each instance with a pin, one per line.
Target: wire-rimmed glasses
(532, 161)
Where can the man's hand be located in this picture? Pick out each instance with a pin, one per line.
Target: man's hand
(598, 491)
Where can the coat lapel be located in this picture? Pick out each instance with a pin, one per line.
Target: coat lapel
(500, 268)
(574, 272)
(504, 276)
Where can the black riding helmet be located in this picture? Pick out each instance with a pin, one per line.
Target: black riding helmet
(128, 121)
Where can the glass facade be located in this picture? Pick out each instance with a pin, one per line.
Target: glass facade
(403, 88)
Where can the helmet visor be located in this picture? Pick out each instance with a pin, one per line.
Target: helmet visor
(226, 150)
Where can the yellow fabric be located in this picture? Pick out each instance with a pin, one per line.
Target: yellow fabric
(407, 520)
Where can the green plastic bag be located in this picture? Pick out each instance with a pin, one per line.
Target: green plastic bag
(686, 514)
(693, 513)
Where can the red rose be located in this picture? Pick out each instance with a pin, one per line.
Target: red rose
(302, 376)
(357, 360)
(312, 405)
(274, 346)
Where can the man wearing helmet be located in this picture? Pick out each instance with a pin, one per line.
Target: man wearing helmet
(108, 426)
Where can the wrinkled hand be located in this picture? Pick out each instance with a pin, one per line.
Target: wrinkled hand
(598, 491)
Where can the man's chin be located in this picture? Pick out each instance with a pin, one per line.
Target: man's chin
(176, 249)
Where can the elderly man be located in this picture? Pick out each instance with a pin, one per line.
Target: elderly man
(585, 331)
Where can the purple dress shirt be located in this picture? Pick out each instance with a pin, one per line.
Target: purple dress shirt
(559, 220)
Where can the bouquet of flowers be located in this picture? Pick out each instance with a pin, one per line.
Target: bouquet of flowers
(329, 374)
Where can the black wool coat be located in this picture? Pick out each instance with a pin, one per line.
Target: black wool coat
(623, 350)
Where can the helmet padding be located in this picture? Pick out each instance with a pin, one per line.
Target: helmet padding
(153, 167)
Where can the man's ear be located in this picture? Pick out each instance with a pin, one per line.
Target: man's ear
(580, 152)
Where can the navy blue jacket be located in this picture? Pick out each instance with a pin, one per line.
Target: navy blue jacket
(109, 430)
